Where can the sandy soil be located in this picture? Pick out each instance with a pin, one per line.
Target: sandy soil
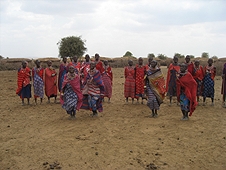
(122, 137)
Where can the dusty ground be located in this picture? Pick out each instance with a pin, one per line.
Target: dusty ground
(122, 137)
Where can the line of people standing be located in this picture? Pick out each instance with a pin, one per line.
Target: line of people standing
(81, 85)
(187, 81)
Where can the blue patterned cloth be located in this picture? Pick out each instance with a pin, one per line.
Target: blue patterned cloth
(208, 86)
(62, 78)
(184, 102)
(92, 101)
(38, 85)
(70, 99)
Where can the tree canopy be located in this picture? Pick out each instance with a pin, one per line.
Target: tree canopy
(71, 46)
(178, 55)
(162, 56)
(205, 55)
(151, 55)
(128, 54)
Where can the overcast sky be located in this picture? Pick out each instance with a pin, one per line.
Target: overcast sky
(32, 28)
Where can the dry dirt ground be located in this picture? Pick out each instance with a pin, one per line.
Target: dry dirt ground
(121, 137)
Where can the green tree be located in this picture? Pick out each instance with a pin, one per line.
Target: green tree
(215, 57)
(205, 55)
(162, 56)
(128, 54)
(178, 55)
(192, 56)
(71, 46)
(151, 55)
(1, 57)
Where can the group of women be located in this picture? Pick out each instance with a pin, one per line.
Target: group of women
(187, 81)
(80, 85)
(84, 85)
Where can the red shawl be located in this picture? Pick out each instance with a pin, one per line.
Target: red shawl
(211, 70)
(129, 71)
(198, 73)
(190, 68)
(23, 78)
(171, 67)
(84, 70)
(50, 82)
(75, 84)
(39, 71)
(188, 83)
(99, 66)
(157, 84)
(139, 78)
(107, 70)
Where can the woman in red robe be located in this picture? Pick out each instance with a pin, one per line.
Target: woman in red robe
(76, 64)
(71, 95)
(23, 82)
(85, 68)
(50, 82)
(99, 64)
(171, 86)
(186, 91)
(140, 70)
(190, 65)
(198, 76)
(129, 86)
(107, 78)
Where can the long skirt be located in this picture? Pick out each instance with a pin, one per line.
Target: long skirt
(184, 102)
(70, 99)
(199, 87)
(38, 86)
(93, 101)
(152, 102)
(129, 87)
(61, 80)
(107, 86)
(208, 86)
(25, 92)
(172, 89)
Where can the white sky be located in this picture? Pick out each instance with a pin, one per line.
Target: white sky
(32, 28)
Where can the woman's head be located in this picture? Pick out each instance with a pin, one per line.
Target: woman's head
(183, 67)
(153, 63)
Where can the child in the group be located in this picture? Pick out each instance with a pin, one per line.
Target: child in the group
(155, 85)
(38, 83)
(186, 91)
(171, 86)
(208, 82)
(140, 70)
(223, 88)
(23, 82)
(129, 86)
(71, 95)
